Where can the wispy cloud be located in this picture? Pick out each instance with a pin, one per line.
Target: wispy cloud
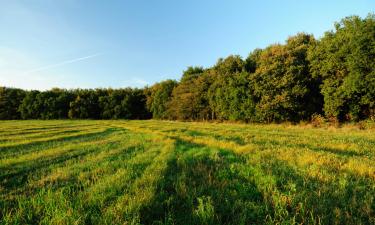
(139, 81)
(134, 82)
(62, 63)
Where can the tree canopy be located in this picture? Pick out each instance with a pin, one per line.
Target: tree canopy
(332, 76)
(344, 59)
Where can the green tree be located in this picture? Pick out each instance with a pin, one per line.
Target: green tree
(86, 104)
(189, 98)
(123, 104)
(10, 100)
(29, 107)
(252, 59)
(158, 97)
(231, 93)
(136, 104)
(191, 72)
(231, 97)
(344, 60)
(53, 104)
(283, 84)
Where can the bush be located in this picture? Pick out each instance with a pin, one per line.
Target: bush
(334, 121)
(362, 125)
(317, 120)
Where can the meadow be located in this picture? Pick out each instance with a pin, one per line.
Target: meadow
(162, 172)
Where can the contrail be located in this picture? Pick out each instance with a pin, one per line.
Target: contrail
(62, 63)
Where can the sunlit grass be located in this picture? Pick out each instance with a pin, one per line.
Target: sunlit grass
(161, 172)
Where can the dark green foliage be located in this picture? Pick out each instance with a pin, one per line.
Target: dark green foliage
(252, 60)
(283, 82)
(10, 99)
(239, 101)
(54, 104)
(115, 104)
(137, 105)
(345, 60)
(84, 104)
(231, 94)
(189, 99)
(30, 108)
(191, 73)
(231, 64)
(109, 104)
(158, 97)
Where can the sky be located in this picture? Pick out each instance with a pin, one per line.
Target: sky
(133, 43)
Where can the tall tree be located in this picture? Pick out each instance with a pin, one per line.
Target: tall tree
(10, 99)
(344, 60)
(158, 97)
(283, 84)
(29, 107)
(192, 72)
(86, 104)
(230, 95)
(189, 99)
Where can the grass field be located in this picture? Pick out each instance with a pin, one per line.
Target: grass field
(154, 172)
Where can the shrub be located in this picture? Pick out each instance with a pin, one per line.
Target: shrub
(317, 120)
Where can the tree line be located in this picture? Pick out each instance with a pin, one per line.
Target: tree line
(332, 76)
(74, 104)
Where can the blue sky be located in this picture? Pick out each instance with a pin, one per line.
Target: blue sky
(90, 44)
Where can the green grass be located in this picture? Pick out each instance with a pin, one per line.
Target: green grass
(155, 172)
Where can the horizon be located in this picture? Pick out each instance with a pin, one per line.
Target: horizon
(80, 44)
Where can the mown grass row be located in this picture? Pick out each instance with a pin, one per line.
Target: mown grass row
(154, 172)
(76, 180)
(311, 176)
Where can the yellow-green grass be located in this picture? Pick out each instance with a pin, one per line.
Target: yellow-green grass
(162, 172)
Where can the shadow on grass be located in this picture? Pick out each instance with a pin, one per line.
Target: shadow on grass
(40, 135)
(240, 141)
(9, 151)
(69, 196)
(344, 199)
(215, 186)
(16, 175)
(199, 187)
(312, 147)
(236, 139)
(93, 210)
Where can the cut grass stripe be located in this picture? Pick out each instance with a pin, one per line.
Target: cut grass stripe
(53, 142)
